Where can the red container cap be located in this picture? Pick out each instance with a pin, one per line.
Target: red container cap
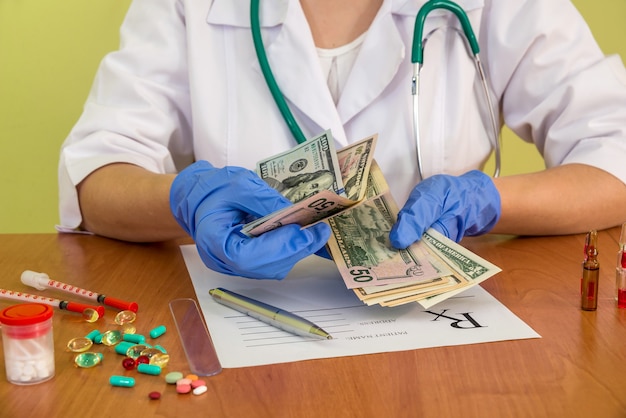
(26, 314)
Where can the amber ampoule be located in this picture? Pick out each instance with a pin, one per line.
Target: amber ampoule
(591, 273)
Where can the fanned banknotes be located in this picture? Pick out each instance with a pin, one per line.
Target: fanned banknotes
(315, 201)
(360, 210)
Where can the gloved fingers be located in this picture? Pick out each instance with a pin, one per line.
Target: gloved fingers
(240, 189)
(201, 190)
(324, 253)
(418, 214)
(269, 256)
(448, 226)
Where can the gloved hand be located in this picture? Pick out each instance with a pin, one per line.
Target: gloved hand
(455, 206)
(212, 204)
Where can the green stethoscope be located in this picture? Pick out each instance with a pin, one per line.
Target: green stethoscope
(417, 58)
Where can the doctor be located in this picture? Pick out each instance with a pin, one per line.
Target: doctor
(180, 114)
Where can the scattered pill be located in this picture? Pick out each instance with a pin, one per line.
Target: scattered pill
(88, 359)
(183, 381)
(154, 395)
(111, 337)
(122, 381)
(197, 383)
(129, 329)
(172, 377)
(150, 351)
(200, 390)
(160, 360)
(183, 388)
(93, 334)
(90, 315)
(134, 350)
(148, 369)
(123, 347)
(134, 338)
(128, 363)
(158, 331)
(142, 360)
(125, 317)
(79, 344)
(192, 377)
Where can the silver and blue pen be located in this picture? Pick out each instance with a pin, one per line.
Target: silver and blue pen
(269, 314)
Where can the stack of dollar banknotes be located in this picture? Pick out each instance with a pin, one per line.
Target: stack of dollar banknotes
(347, 190)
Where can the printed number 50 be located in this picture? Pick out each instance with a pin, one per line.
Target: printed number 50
(361, 275)
(321, 204)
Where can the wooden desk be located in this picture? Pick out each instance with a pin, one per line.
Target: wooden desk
(578, 368)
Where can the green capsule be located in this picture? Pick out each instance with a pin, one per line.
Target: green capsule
(122, 381)
(149, 369)
(88, 359)
(111, 337)
(93, 334)
(123, 347)
(79, 344)
(134, 338)
(158, 331)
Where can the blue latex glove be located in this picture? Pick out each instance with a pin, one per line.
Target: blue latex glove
(455, 206)
(212, 204)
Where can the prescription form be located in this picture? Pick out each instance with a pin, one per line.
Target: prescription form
(315, 290)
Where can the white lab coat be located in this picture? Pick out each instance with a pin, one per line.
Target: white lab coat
(186, 85)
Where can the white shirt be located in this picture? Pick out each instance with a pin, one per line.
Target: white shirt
(337, 63)
(186, 85)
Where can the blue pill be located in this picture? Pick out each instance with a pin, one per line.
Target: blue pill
(158, 331)
(93, 334)
(146, 368)
(122, 381)
(134, 338)
(122, 348)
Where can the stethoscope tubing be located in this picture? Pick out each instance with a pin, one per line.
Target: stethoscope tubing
(417, 58)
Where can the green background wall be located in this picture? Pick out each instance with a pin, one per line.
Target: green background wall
(49, 52)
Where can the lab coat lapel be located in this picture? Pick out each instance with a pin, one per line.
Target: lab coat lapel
(291, 53)
(296, 67)
(374, 67)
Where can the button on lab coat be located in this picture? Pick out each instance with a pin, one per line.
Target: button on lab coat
(186, 85)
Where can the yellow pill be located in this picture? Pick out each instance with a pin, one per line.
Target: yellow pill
(160, 360)
(111, 337)
(88, 359)
(79, 344)
(125, 317)
(90, 315)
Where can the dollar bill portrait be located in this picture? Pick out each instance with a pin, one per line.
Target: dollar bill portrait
(301, 186)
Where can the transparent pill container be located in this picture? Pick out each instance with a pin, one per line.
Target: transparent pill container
(28, 343)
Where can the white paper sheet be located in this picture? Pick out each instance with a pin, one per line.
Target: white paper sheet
(315, 290)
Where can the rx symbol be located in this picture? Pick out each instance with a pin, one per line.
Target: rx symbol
(467, 320)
